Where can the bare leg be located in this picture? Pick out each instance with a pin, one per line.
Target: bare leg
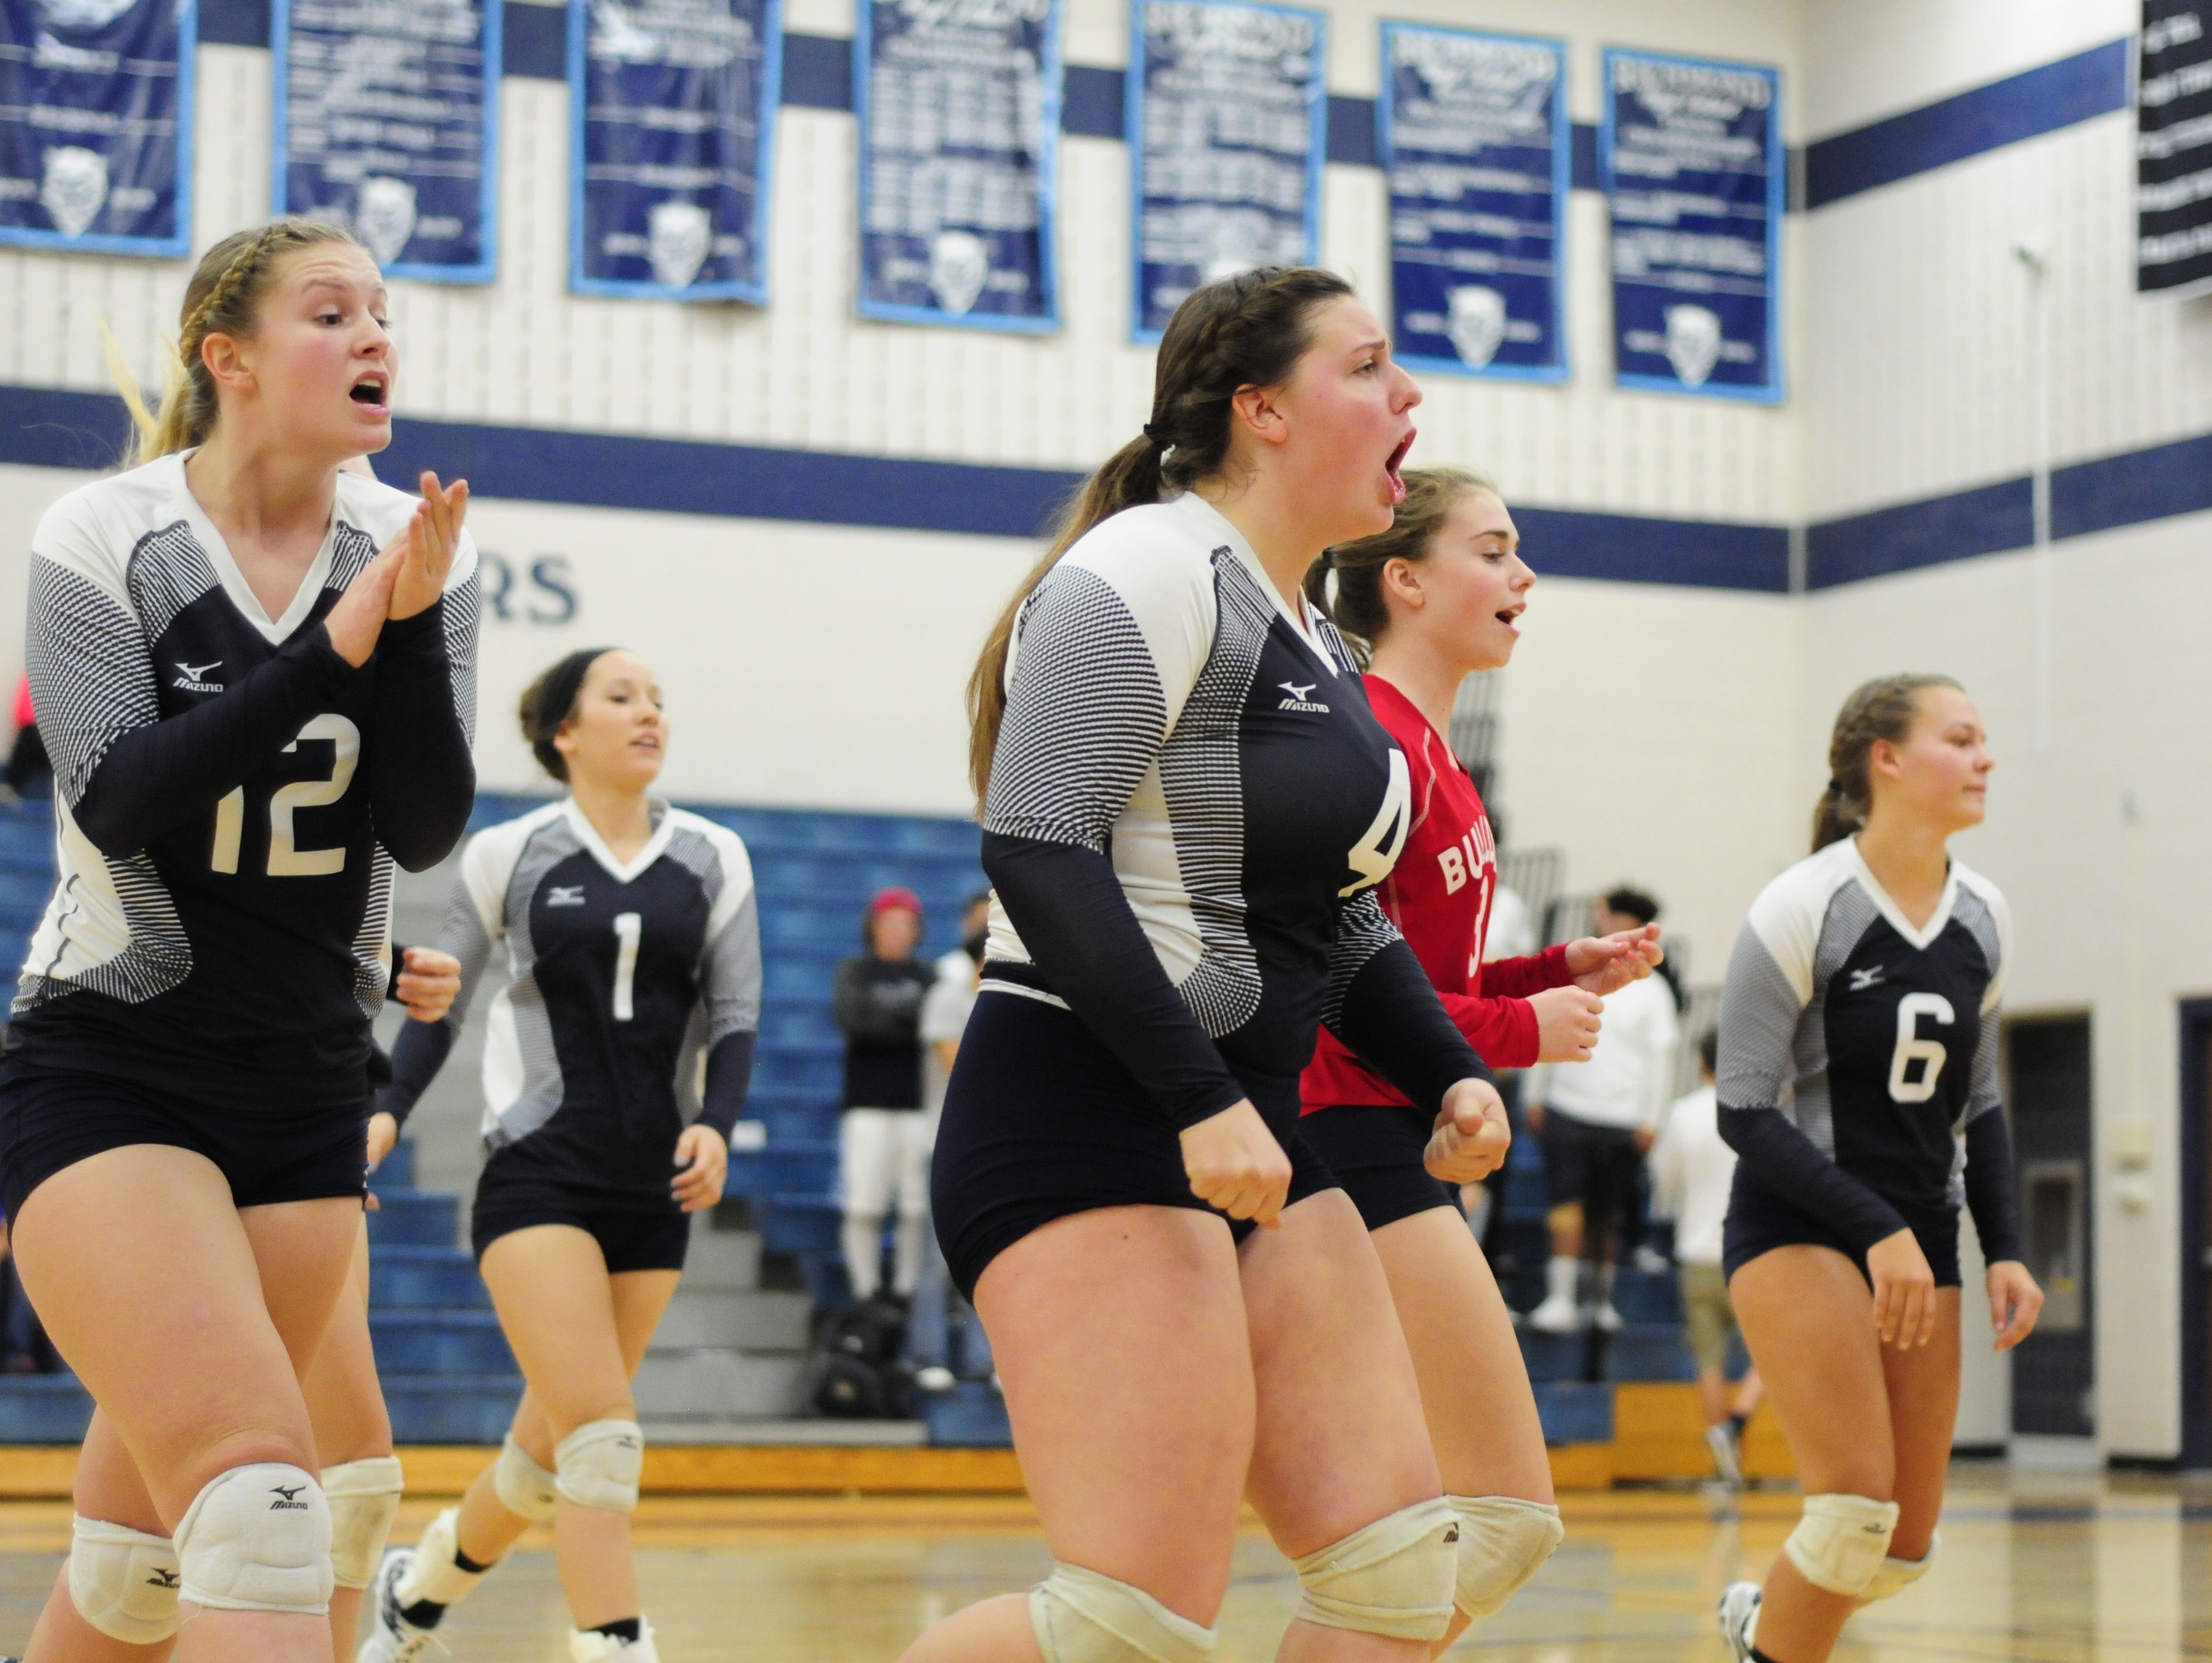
(345, 1405)
(1808, 1317)
(1475, 1395)
(557, 1306)
(108, 1488)
(198, 1374)
(1119, 1338)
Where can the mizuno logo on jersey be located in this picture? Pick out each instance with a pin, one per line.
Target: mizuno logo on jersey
(192, 678)
(565, 895)
(1299, 700)
(1862, 979)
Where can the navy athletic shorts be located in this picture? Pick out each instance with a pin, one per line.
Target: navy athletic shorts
(51, 1119)
(631, 1237)
(1374, 1151)
(1759, 1220)
(1042, 1121)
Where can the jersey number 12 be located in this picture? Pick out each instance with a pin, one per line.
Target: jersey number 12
(286, 858)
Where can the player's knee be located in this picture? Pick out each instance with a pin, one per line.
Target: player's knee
(1841, 1541)
(123, 1581)
(363, 1497)
(257, 1538)
(1503, 1542)
(1394, 1577)
(525, 1488)
(1895, 1574)
(1081, 1617)
(599, 1464)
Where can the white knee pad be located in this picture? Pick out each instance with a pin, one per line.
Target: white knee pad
(1898, 1575)
(599, 1463)
(525, 1489)
(1393, 1577)
(363, 1494)
(123, 1581)
(1841, 1541)
(1081, 1617)
(1503, 1542)
(258, 1538)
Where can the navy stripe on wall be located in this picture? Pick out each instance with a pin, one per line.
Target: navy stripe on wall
(1985, 520)
(2026, 105)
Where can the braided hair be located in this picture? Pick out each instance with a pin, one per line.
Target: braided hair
(1248, 331)
(1880, 709)
(225, 292)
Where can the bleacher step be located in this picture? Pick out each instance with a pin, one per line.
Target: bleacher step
(438, 1342)
(433, 1277)
(720, 1382)
(471, 1408)
(744, 1319)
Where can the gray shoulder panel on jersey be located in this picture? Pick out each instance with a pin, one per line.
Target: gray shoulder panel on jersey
(730, 974)
(523, 1086)
(1981, 907)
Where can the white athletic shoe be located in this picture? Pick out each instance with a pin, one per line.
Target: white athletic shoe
(392, 1638)
(1727, 1459)
(1740, 1617)
(1607, 1320)
(595, 1648)
(933, 1377)
(1555, 1316)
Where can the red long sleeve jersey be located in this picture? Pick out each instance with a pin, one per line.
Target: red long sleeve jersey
(1439, 895)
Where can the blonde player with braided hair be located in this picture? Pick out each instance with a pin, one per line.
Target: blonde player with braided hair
(257, 676)
(1858, 1086)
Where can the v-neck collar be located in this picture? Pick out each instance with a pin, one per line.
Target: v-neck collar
(1217, 527)
(1923, 937)
(276, 630)
(664, 827)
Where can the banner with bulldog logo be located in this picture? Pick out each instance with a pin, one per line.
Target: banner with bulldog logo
(1473, 137)
(387, 123)
(2173, 148)
(96, 124)
(1690, 159)
(958, 103)
(672, 106)
(1227, 118)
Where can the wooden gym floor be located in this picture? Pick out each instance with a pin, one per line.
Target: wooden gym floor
(2052, 1569)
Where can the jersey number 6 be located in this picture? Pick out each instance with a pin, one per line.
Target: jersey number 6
(286, 858)
(1911, 1048)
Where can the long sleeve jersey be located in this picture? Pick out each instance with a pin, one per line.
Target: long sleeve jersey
(620, 974)
(877, 1003)
(1858, 1051)
(1188, 812)
(230, 795)
(1439, 895)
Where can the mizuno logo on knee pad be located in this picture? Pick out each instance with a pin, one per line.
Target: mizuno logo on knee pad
(257, 1538)
(1841, 1542)
(1503, 1541)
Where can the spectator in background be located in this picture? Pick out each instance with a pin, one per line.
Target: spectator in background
(26, 762)
(1691, 1170)
(883, 1137)
(939, 1312)
(1597, 1121)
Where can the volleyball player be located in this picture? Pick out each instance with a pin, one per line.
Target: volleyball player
(253, 712)
(633, 939)
(1187, 804)
(1858, 1086)
(1433, 600)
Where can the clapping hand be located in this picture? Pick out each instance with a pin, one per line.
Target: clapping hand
(428, 546)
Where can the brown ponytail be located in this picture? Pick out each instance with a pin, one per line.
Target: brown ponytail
(1347, 581)
(225, 292)
(1248, 331)
(1880, 709)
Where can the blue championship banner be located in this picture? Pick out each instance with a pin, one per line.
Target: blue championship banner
(387, 123)
(958, 103)
(1690, 157)
(2173, 148)
(96, 124)
(1474, 140)
(673, 106)
(1227, 114)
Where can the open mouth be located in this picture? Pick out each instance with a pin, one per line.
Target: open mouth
(372, 392)
(1511, 616)
(1397, 460)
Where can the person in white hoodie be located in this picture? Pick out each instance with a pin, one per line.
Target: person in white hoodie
(1597, 1119)
(1692, 1169)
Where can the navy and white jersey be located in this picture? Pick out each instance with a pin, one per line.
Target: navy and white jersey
(1875, 1039)
(1166, 709)
(230, 795)
(618, 975)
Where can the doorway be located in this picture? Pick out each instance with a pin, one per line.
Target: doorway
(2196, 1232)
(2054, 1379)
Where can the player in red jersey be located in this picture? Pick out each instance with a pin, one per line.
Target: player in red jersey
(1432, 599)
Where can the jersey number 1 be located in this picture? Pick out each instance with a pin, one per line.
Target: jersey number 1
(1904, 1087)
(286, 858)
(630, 930)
